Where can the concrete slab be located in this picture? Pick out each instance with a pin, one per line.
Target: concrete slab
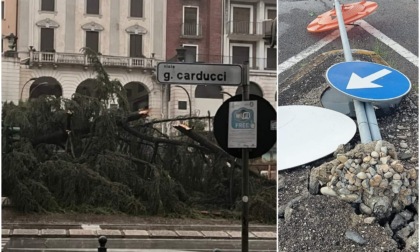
(215, 234)
(109, 233)
(25, 232)
(162, 233)
(135, 233)
(53, 232)
(265, 235)
(82, 233)
(189, 234)
(238, 234)
(5, 232)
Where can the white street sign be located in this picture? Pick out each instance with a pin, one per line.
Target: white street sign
(242, 132)
(357, 82)
(196, 73)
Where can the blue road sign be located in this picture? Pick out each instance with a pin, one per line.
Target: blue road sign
(367, 81)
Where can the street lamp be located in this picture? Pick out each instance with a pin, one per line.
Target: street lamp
(24, 85)
(189, 98)
(223, 92)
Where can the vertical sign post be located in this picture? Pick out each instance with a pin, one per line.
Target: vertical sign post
(245, 171)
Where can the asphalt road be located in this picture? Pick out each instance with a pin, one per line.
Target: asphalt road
(126, 245)
(398, 20)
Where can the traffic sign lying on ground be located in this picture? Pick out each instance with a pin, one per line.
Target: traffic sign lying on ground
(308, 133)
(196, 73)
(351, 12)
(367, 81)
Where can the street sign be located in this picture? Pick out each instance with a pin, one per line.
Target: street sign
(367, 81)
(265, 134)
(308, 133)
(351, 12)
(242, 124)
(196, 73)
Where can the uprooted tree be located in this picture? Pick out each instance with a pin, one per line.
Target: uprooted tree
(81, 155)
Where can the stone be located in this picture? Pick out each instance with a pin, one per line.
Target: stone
(367, 159)
(404, 232)
(383, 167)
(398, 167)
(381, 206)
(374, 154)
(361, 175)
(403, 145)
(384, 150)
(397, 222)
(350, 198)
(342, 158)
(372, 171)
(384, 160)
(344, 191)
(354, 236)
(369, 220)
(358, 182)
(378, 146)
(412, 243)
(396, 176)
(405, 155)
(412, 174)
(352, 187)
(281, 182)
(388, 175)
(396, 185)
(365, 183)
(365, 209)
(407, 215)
(375, 181)
(384, 184)
(328, 191)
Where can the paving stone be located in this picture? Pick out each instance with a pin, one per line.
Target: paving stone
(135, 233)
(25, 232)
(238, 234)
(82, 232)
(53, 232)
(265, 234)
(189, 234)
(215, 234)
(162, 233)
(5, 232)
(109, 232)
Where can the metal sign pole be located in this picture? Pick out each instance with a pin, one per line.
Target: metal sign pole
(364, 124)
(245, 168)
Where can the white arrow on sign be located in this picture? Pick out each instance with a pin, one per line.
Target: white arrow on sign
(356, 82)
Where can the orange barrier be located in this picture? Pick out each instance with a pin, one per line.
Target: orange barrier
(351, 12)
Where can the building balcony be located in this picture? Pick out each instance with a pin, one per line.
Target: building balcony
(55, 58)
(191, 30)
(245, 31)
(267, 64)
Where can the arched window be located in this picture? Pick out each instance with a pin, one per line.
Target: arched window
(88, 87)
(137, 95)
(253, 89)
(45, 86)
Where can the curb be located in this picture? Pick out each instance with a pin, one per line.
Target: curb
(130, 233)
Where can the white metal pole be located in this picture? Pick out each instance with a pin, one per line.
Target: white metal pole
(362, 120)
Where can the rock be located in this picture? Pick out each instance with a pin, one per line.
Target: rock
(344, 191)
(407, 215)
(412, 174)
(288, 210)
(342, 158)
(361, 175)
(381, 206)
(378, 146)
(404, 232)
(398, 167)
(365, 209)
(281, 182)
(388, 175)
(369, 220)
(374, 154)
(328, 191)
(383, 167)
(365, 183)
(375, 181)
(403, 145)
(384, 150)
(412, 243)
(396, 186)
(372, 171)
(397, 222)
(396, 176)
(350, 198)
(356, 237)
(384, 184)
(367, 159)
(384, 160)
(405, 155)
(352, 187)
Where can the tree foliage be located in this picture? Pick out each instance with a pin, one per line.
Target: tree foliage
(80, 155)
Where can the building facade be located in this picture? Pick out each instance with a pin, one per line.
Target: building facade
(127, 34)
(224, 32)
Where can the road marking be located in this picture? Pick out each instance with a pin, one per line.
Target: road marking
(309, 51)
(335, 34)
(389, 42)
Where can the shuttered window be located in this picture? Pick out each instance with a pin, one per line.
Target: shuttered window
(136, 8)
(47, 5)
(136, 44)
(92, 40)
(92, 7)
(271, 58)
(47, 39)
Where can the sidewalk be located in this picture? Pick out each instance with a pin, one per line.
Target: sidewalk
(16, 224)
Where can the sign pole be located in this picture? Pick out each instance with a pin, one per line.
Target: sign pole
(364, 124)
(245, 168)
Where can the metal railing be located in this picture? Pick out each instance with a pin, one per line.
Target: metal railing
(245, 28)
(191, 30)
